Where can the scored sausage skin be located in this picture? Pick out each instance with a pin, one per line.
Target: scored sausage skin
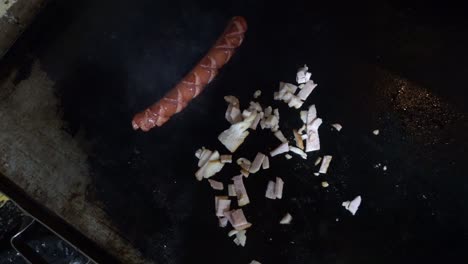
(195, 81)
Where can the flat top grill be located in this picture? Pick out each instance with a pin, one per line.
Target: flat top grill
(73, 81)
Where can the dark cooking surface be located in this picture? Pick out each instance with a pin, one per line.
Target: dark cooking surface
(396, 67)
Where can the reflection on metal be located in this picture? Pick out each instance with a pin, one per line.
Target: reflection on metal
(19, 242)
(5, 5)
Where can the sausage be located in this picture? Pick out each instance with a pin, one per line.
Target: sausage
(196, 80)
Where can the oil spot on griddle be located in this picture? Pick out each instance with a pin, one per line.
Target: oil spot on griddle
(428, 119)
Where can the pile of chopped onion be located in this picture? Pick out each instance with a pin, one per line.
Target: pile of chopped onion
(242, 122)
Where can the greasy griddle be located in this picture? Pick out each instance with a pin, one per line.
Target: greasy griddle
(383, 66)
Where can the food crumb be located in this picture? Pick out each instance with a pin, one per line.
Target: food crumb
(257, 94)
(376, 132)
(325, 184)
(287, 156)
(384, 168)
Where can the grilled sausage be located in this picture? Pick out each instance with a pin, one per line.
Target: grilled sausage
(196, 80)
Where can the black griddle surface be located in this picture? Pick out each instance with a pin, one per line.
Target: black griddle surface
(384, 65)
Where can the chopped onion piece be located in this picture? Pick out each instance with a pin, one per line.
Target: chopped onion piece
(255, 262)
(280, 149)
(325, 163)
(353, 205)
(244, 163)
(337, 126)
(209, 169)
(255, 106)
(316, 174)
(376, 132)
(279, 188)
(276, 96)
(199, 152)
(287, 97)
(237, 219)
(233, 114)
(256, 121)
(266, 163)
(303, 115)
(298, 151)
(303, 75)
(225, 158)
(257, 163)
(234, 136)
(275, 128)
(313, 123)
(279, 135)
(231, 190)
(257, 94)
(222, 204)
(271, 121)
(286, 88)
(311, 114)
(232, 232)
(242, 197)
(205, 156)
(295, 102)
(307, 90)
(268, 111)
(241, 238)
(325, 184)
(231, 100)
(216, 185)
(287, 156)
(246, 113)
(236, 241)
(270, 191)
(223, 221)
(298, 139)
(313, 140)
(286, 220)
(317, 161)
(276, 113)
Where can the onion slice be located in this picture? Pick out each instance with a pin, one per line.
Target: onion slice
(237, 219)
(270, 191)
(286, 220)
(298, 151)
(280, 149)
(353, 205)
(279, 188)
(325, 164)
(216, 185)
(231, 190)
(242, 197)
(266, 163)
(222, 205)
(257, 163)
